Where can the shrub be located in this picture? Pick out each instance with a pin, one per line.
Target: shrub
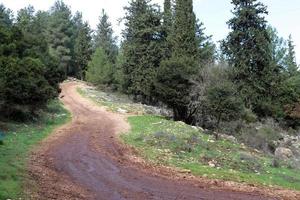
(262, 135)
(24, 87)
(223, 103)
(213, 98)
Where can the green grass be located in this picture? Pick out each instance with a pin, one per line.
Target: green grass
(176, 144)
(19, 140)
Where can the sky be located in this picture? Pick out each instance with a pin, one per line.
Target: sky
(284, 15)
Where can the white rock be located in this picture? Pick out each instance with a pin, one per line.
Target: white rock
(122, 111)
(283, 153)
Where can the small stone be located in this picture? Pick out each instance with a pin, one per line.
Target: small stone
(122, 111)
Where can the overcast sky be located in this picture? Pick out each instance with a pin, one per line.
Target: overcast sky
(283, 14)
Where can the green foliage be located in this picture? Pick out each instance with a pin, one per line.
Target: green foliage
(60, 32)
(174, 75)
(82, 47)
(206, 48)
(248, 49)
(290, 59)
(141, 48)
(173, 84)
(178, 145)
(278, 47)
(183, 36)
(119, 78)
(214, 97)
(25, 89)
(104, 38)
(223, 102)
(100, 69)
(25, 85)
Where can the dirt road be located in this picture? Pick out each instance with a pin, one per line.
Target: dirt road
(84, 160)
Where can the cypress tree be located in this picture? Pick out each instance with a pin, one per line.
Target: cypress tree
(167, 28)
(248, 49)
(82, 46)
(278, 47)
(174, 75)
(60, 33)
(167, 17)
(206, 48)
(142, 48)
(104, 38)
(290, 59)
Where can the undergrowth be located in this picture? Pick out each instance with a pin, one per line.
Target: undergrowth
(176, 144)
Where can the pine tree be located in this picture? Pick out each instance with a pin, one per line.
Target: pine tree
(60, 32)
(142, 48)
(167, 17)
(100, 70)
(24, 87)
(183, 38)
(6, 23)
(167, 28)
(278, 47)
(104, 37)
(174, 75)
(206, 48)
(82, 46)
(290, 59)
(248, 48)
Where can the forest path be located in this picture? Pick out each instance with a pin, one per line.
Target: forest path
(85, 160)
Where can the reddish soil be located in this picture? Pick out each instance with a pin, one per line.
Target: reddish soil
(85, 160)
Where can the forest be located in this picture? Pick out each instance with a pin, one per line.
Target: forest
(164, 58)
(231, 108)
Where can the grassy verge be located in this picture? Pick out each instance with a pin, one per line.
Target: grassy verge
(19, 140)
(176, 144)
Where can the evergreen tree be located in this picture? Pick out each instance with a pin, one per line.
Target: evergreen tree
(248, 48)
(142, 48)
(167, 17)
(174, 76)
(60, 34)
(206, 48)
(290, 59)
(82, 50)
(183, 38)
(24, 87)
(34, 43)
(100, 70)
(104, 37)
(278, 47)
(6, 23)
(167, 28)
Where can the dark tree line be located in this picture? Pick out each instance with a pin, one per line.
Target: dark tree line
(164, 57)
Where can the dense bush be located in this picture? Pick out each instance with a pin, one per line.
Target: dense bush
(173, 86)
(24, 87)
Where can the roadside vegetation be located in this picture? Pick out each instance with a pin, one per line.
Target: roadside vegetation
(169, 143)
(18, 141)
(176, 144)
